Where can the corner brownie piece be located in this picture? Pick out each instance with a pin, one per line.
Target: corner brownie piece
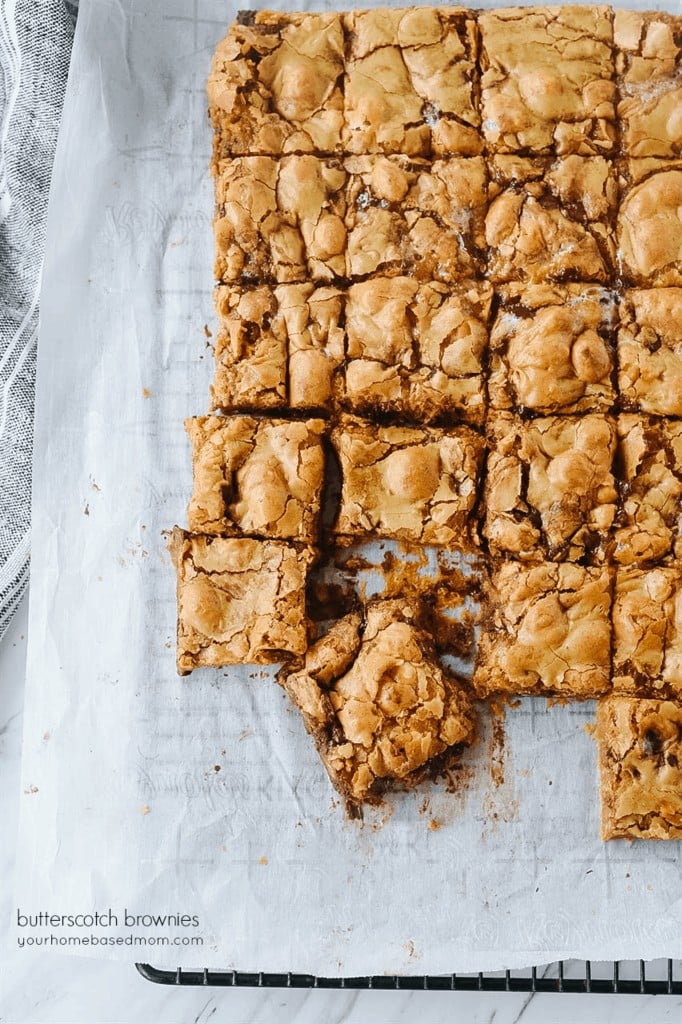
(409, 483)
(410, 216)
(416, 349)
(275, 85)
(380, 708)
(647, 632)
(240, 601)
(552, 349)
(640, 750)
(257, 477)
(648, 52)
(548, 79)
(545, 631)
(650, 351)
(550, 491)
(551, 220)
(649, 231)
(648, 527)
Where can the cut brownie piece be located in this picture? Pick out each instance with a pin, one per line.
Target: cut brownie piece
(256, 477)
(649, 47)
(410, 216)
(650, 222)
(409, 84)
(408, 483)
(650, 351)
(650, 469)
(416, 350)
(552, 349)
(550, 492)
(640, 751)
(647, 632)
(280, 220)
(313, 318)
(379, 706)
(548, 79)
(240, 601)
(551, 220)
(545, 631)
(275, 85)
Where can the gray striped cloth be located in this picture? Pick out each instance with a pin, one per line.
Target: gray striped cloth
(35, 47)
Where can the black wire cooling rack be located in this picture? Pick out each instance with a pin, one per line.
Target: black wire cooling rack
(632, 977)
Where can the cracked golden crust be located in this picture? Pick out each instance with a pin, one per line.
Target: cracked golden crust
(377, 702)
(416, 349)
(274, 85)
(240, 601)
(280, 220)
(256, 477)
(547, 82)
(549, 491)
(650, 351)
(313, 319)
(409, 483)
(649, 47)
(551, 220)
(650, 457)
(649, 232)
(552, 350)
(546, 632)
(416, 217)
(409, 82)
(647, 632)
(640, 750)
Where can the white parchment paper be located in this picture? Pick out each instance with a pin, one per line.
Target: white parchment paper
(147, 793)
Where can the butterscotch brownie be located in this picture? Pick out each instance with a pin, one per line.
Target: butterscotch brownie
(649, 222)
(551, 220)
(550, 491)
(548, 79)
(650, 469)
(377, 703)
(416, 217)
(313, 318)
(256, 477)
(545, 631)
(416, 349)
(650, 351)
(275, 85)
(552, 349)
(649, 47)
(647, 631)
(640, 751)
(413, 484)
(280, 220)
(240, 601)
(409, 82)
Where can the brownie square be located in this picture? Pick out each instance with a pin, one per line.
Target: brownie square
(280, 220)
(551, 220)
(650, 469)
(640, 749)
(410, 82)
(552, 349)
(416, 350)
(409, 483)
(275, 85)
(411, 216)
(550, 491)
(256, 477)
(240, 601)
(648, 52)
(313, 320)
(547, 82)
(647, 632)
(545, 631)
(649, 230)
(381, 710)
(650, 351)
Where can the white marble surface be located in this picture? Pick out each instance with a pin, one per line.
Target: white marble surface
(43, 988)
